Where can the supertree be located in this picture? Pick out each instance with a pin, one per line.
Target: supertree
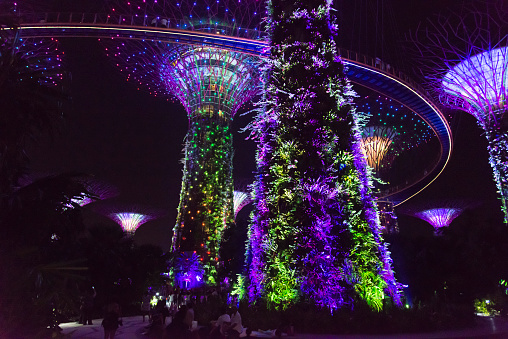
(315, 231)
(388, 130)
(128, 216)
(439, 214)
(465, 61)
(99, 190)
(94, 189)
(240, 200)
(212, 82)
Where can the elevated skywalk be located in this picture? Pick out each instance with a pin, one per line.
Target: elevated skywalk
(361, 70)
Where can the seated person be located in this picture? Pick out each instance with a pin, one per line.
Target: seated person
(236, 327)
(178, 328)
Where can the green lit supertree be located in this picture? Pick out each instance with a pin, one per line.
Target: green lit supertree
(212, 82)
(315, 230)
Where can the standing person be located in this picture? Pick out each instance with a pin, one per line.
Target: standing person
(87, 306)
(236, 324)
(161, 310)
(111, 320)
(145, 306)
(189, 316)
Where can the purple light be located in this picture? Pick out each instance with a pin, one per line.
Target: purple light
(100, 190)
(438, 214)
(128, 216)
(130, 221)
(469, 73)
(439, 217)
(212, 82)
(481, 80)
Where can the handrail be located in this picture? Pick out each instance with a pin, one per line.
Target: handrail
(60, 18)
(415, 178)
(382, 66)
(243, 40)
(161, 23)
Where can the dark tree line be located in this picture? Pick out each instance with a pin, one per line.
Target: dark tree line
(48, 257)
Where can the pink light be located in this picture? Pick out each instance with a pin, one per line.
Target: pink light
(130, 221)
(240, 200)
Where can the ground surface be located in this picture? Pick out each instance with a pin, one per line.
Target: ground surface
(133, 328)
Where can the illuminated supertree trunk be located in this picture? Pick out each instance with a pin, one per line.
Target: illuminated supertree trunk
(206, 199)
(315, 230)
(212, 83)
(469, 72)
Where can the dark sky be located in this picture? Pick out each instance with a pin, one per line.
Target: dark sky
(134, 141)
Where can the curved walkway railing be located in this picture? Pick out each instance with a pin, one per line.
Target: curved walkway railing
(366, 71)
(64, 18)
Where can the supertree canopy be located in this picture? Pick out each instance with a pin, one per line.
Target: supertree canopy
(211, 82)
(376, 142)
(240, 200)
(479, 81)
(315, 232)
(99, 190)
(438, 214)
(439, 217)
(469, 72)
(390, 129)
(129, 217)
(130, 221)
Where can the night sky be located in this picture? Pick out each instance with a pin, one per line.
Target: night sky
(135, 141)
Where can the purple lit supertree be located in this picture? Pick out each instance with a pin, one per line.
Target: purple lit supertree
(129, 217)
(130, 221)
(212, 83)
(94, 189)
(465, 60)
(315, 232)
(438, 214)
(99, 190)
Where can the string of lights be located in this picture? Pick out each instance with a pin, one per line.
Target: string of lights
(315, 231)
(212, 83)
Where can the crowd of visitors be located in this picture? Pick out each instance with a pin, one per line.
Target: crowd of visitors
(178, 307)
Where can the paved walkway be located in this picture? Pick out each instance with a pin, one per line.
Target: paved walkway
(133, 328)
